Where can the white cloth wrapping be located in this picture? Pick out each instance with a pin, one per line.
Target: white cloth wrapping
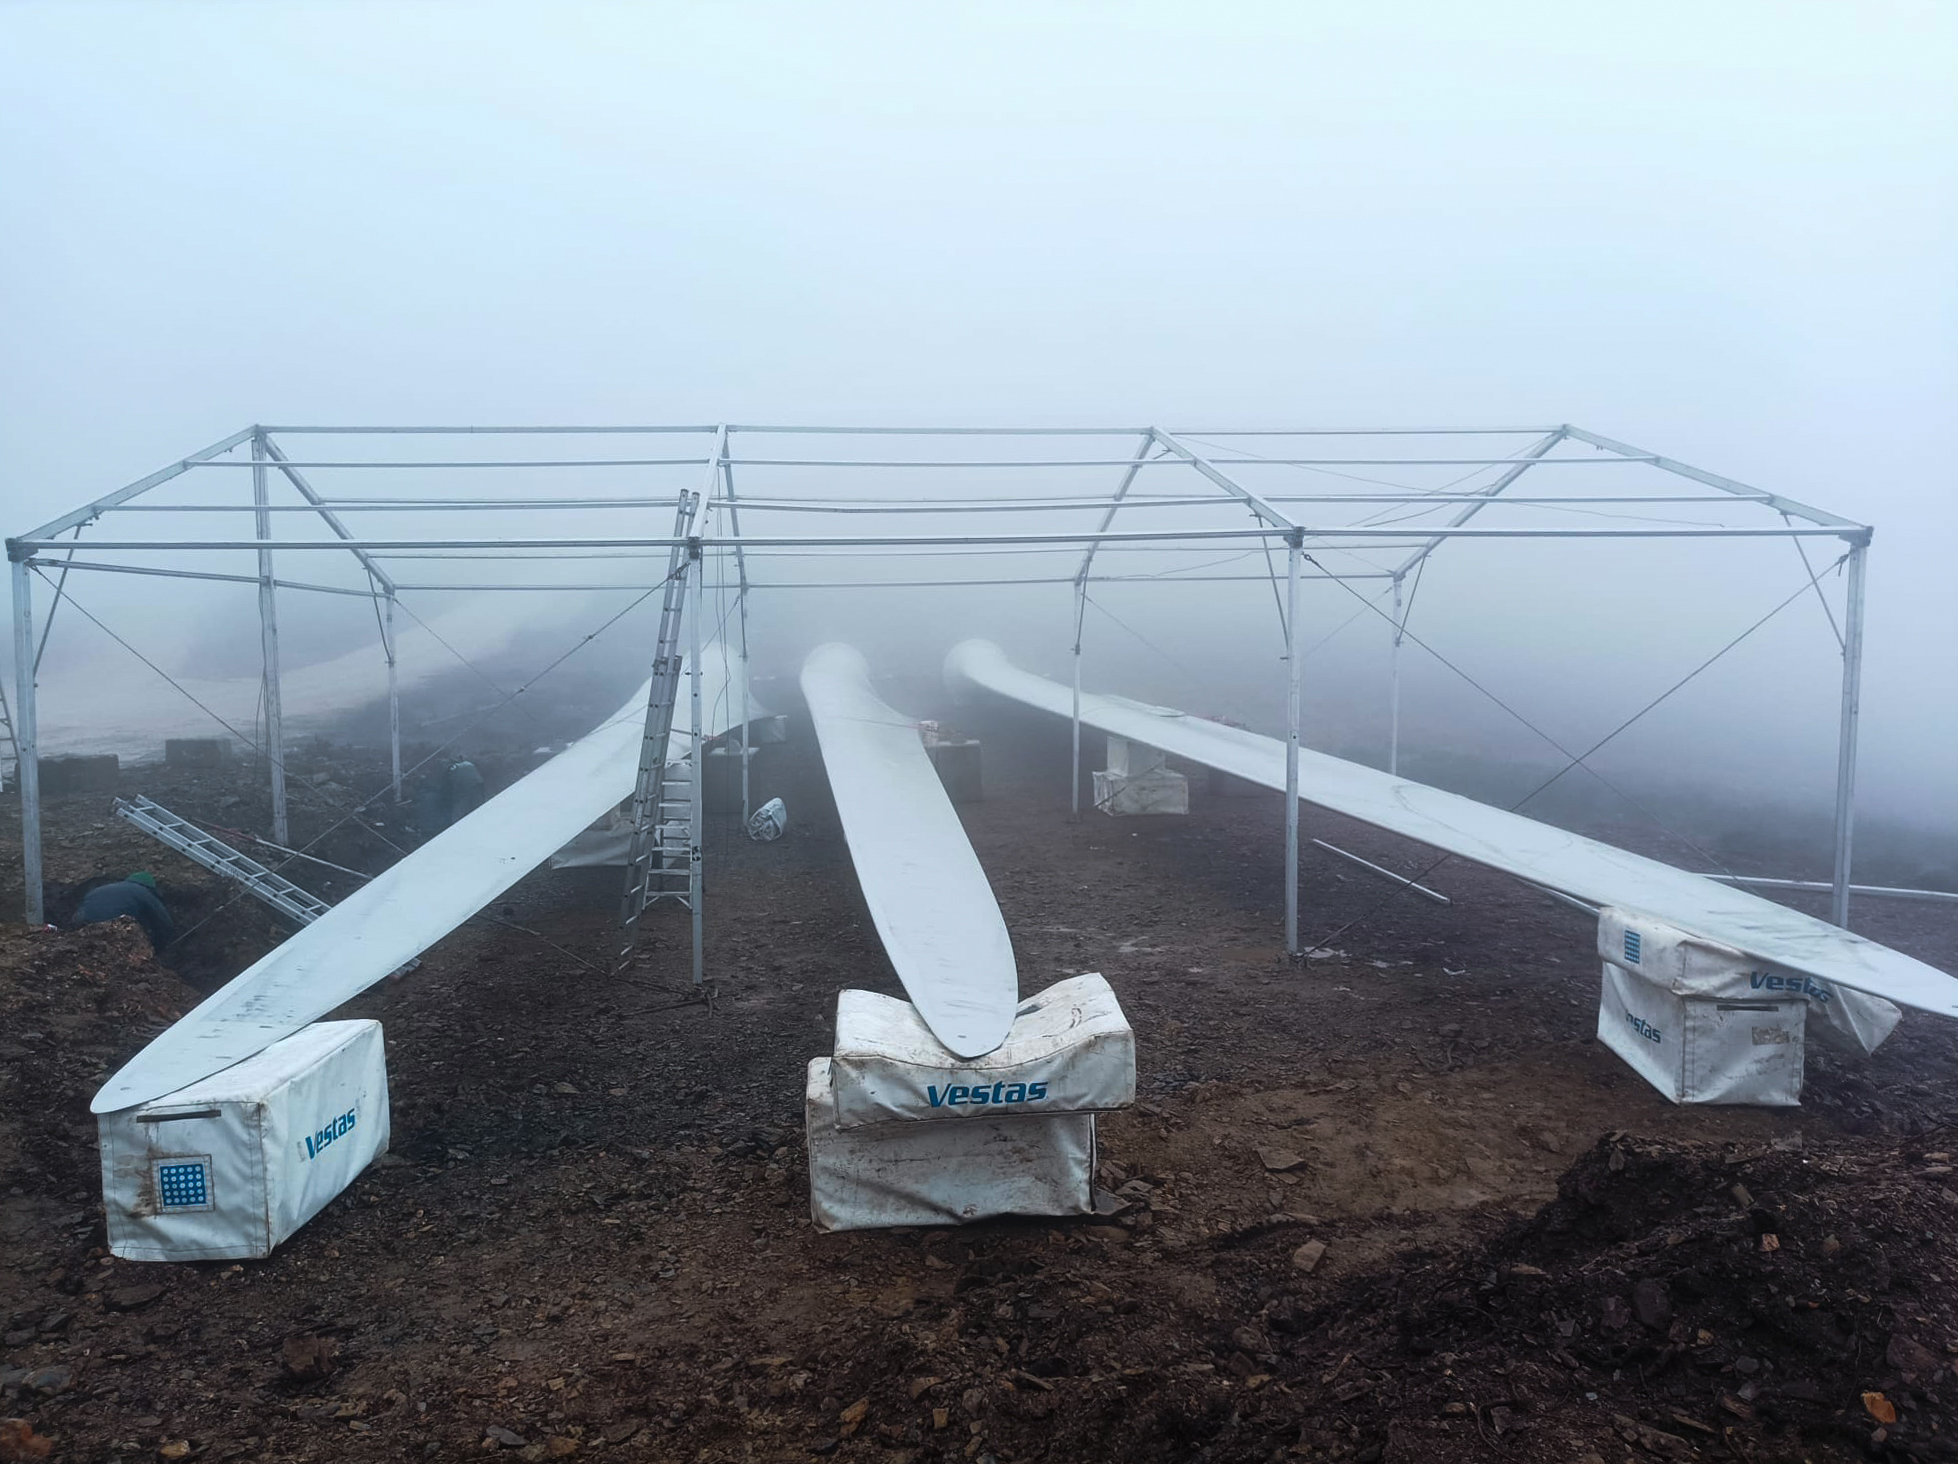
(943, 1173)
(1070, 1050)
(229, 1167)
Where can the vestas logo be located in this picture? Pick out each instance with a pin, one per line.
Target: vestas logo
(1806, 986)
(1000, 1093)
(317, 1141)
(1645, 1029)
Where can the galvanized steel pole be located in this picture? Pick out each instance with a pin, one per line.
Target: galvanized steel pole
(1296, 555)
(695, 883)
(27, 743)
(741, 599)
(1074, 766)
(1394, 684)
(394, 700)
(268, 625)
(1852, 699)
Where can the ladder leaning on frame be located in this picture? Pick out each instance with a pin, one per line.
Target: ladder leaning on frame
(663, 861)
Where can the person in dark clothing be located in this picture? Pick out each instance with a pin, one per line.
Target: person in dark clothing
(135, 897)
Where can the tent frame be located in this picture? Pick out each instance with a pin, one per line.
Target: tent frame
(1272, 523)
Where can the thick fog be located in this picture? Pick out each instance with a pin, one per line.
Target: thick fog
(1721, 233)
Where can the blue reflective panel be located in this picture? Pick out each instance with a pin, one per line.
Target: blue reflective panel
(183, 1186)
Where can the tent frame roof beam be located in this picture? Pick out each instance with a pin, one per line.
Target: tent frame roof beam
(1222, 466)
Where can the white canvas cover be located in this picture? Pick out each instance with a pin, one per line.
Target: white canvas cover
(1537, 852)
(943, 1173)
(1704, 1049)
(228, 1167)
(927, 893)
(1690, 965)
(1156, 791)
(1070, 1050)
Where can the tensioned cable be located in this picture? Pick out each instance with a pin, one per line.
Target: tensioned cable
(257, 748)
(483, 675)
(1834, 629)
(47, 626)
(1231, 701)
(353, 816)
(1576, 760)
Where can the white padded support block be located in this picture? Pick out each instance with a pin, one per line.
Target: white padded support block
(1704, 1049)
(1070, 1050)
(1691, 966)
(227, 1168)
(1159, 791)
(943, 1173)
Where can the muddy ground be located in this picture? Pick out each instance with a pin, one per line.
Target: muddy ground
(591, 1237)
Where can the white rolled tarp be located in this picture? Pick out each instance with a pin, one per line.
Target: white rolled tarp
(1554, 858)
(405, 909)
(928, 896)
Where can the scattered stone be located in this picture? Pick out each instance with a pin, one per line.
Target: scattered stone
(1615, 1314)
(1653, 1440)
(307, 1358)
(1652, 1303)
(1246, 1339)
(1280, 1161)
(1911, 1358)
(1107, 1206)
(1743, 1196)
(1306, 1257)
(852, 1417)
(922, 1386)
(19, 1444)
(1880, 1408)
(49, 1380)
(940, 1417)
(131, 1298)
(559, 1446)
(175, 1449)
(498, 1434)
(1522, 1271)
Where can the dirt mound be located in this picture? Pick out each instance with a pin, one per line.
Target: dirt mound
(1764, 1304)
(73, 1005)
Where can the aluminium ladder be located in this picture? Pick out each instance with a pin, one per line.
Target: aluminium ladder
(9, 744)
(660, 864)
(297, 905)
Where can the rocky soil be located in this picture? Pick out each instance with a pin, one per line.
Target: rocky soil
(1393, 1204)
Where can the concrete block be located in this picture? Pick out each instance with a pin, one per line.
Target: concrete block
(93, 774)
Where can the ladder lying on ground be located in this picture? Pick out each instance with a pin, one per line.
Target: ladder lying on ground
(662, 862)
(297, 905)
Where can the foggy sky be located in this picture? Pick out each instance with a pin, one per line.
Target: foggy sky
(1725, 233)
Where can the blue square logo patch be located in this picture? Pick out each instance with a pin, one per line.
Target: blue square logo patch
(183, 1184)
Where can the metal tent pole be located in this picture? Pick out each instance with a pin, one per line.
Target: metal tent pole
(694, 880)
(268, 623)
(741, 602)
(1292, 745)
(1394, 684)
(394, 700)
(1074, 779)
(1852, 697)
(27, 754)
